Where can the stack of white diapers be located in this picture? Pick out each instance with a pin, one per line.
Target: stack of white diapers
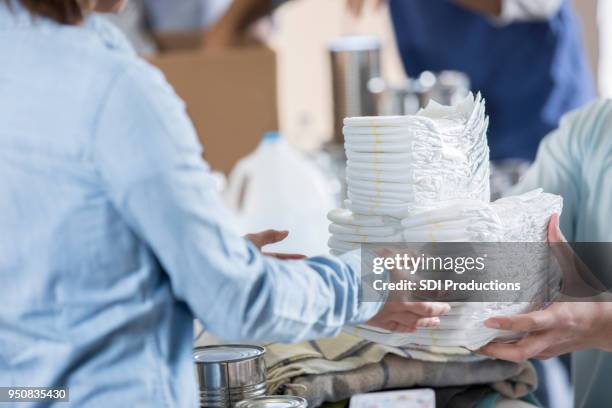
(399, 164)
(425, 178)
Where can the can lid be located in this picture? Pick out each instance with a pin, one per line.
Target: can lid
(274, 401)
(354, 43)
(225, 353)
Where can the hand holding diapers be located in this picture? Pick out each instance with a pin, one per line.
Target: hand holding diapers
(425, 178)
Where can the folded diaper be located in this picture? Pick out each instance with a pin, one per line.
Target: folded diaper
(525, 217)
(514, 219)
(344, 216)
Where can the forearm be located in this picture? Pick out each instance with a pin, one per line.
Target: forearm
(238, 293)
(242, 13)
(297, 301)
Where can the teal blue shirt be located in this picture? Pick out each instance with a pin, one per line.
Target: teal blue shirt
(575, 161)
(113, 237)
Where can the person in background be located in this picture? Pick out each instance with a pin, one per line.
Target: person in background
(574, 162)
(149, 23)
(114, 237)
(525, 56)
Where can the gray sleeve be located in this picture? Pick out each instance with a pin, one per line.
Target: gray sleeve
(562, 164)
(184, 15)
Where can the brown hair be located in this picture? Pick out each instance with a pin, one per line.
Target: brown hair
(71, 12)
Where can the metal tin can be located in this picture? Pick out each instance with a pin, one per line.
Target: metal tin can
(274, 401)
(229, 373)
(355, 67)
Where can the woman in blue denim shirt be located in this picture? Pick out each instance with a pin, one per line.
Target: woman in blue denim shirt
(112, 235)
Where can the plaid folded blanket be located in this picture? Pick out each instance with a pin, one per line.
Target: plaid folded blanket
(335, 369)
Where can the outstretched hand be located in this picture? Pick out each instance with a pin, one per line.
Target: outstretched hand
(561, 328)
(401, 313)
(405, 317)
(261, 239)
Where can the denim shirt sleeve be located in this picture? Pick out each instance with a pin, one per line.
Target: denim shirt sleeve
(150, 163)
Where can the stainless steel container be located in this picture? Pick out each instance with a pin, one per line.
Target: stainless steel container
(356, 78)
(446, 88)
(402, 100)
(274, 401)
(451, 87)
(228, 374)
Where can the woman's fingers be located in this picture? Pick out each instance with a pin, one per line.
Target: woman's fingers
(285, 257)
(387, 325)
(553, 351)
(399, 327)
(405, 317)
(273, 236)
(558, 244)
(422, 309)
(554, 231)
(530, 322)
(261, 239)
(404, 329)
(578, 280)
(524, 349)
(406, 322)
(538, 323)
(428, 322)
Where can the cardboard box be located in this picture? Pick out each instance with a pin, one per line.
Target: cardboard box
(178, 41)
(230, 95)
